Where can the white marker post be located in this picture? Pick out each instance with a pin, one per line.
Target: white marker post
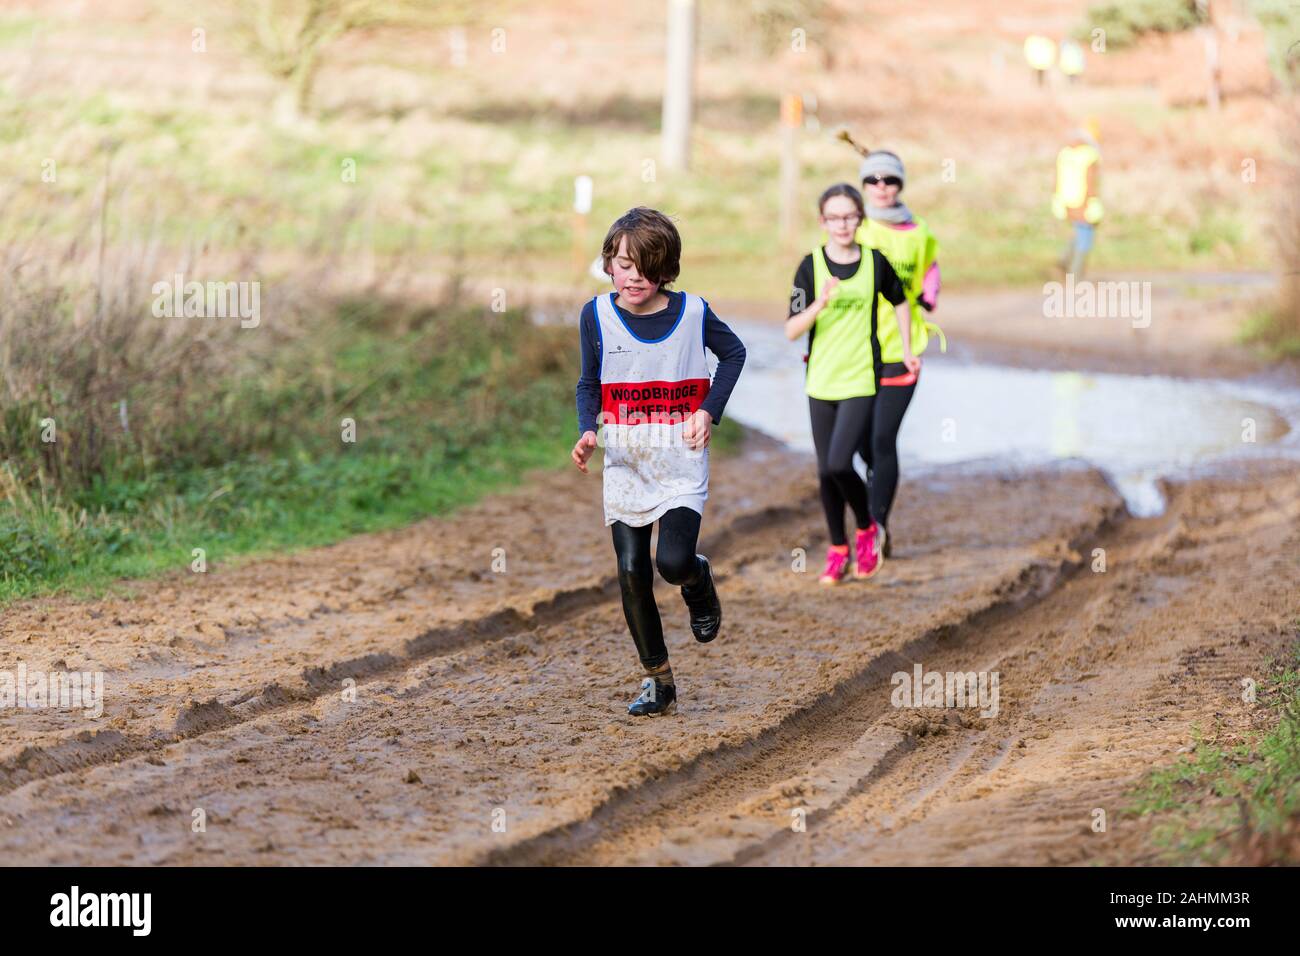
(583, 190)
(679, 84)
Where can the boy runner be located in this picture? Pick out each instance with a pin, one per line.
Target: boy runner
(645, 383)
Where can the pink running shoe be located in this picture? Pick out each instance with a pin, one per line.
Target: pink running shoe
(870, 551)
(837, 565)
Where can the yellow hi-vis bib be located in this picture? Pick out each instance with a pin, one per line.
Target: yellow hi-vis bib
(840, 363)
(1072, 164)
(911, 252)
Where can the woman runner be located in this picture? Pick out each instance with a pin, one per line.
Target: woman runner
(911, 248)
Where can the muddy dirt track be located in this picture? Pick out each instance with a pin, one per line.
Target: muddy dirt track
(487, 698)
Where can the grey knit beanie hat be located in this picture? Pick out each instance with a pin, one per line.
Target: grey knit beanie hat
(881, 163)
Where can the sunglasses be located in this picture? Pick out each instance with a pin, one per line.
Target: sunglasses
(888, 180)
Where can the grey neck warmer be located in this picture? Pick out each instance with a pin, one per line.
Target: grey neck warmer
(896, 213)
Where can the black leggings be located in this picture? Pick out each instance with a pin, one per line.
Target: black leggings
(839, 429)
(679, 530)
(880, 444)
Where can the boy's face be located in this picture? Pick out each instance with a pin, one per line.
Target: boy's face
(632, 287)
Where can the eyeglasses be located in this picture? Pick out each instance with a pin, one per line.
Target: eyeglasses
(888, 180)
(841, 220)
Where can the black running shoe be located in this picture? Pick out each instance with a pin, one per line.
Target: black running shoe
(657, 699)
(888, 551)
(702, 601)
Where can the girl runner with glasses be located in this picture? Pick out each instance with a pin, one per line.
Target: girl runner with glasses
(835, 300)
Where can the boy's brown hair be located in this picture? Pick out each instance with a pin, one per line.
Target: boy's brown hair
(652, 243)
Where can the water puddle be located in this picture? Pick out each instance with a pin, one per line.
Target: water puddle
(1135, 428)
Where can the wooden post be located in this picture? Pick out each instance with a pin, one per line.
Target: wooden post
(1212, 74)
(791, 120)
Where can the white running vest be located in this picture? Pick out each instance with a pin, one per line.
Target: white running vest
(647, 391)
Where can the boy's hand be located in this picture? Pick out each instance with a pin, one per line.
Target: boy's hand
(911, 362)
(697, 430)
(583, 450)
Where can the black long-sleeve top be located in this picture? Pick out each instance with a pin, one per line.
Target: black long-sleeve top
(718, 339)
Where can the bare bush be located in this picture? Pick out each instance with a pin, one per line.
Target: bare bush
(1286, 328)
(289, 37)
(86, 362)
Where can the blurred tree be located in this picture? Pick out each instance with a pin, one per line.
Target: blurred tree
(1281, 22)
(287, 37)
(767, 27)
(1125, 21)
(773, 21)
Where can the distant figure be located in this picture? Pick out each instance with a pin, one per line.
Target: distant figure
(1040, 54)
(1071, 60)
(1077, 197)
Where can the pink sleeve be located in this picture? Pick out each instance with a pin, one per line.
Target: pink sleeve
(930, 285)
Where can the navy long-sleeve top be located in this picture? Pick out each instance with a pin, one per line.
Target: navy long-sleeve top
(718, 339)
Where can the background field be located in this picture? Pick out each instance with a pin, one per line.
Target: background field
(405, 202)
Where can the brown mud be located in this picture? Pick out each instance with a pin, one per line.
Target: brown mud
(394, 699)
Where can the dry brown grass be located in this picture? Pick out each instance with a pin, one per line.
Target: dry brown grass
(1276, 323)
(129, 391)
(1287, 317)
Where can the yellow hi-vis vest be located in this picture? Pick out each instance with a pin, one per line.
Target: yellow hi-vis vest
(1072, 164)
(911, 252)
(840, 363)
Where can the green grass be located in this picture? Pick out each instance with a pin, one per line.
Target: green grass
(1124, 22)
(1281, 22)
(17, 29)
(501, 205)
(1223, 795)
(1273, 330)
(436, 427)
(261, 507)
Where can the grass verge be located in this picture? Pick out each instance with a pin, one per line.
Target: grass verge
(436, 426)
(447, 407)
(1234, 799)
